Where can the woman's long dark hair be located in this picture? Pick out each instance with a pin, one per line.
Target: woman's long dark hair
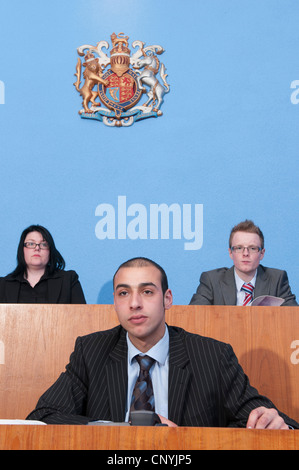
(56, 261)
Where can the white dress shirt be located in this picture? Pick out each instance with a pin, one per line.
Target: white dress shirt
(158, 373)
(239, 284)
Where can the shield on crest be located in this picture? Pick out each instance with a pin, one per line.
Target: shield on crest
(122, 92)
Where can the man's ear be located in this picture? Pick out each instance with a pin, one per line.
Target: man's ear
(168, 299)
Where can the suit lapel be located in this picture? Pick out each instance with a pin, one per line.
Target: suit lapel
(228, 287)
(12, 291)
(54, 288)
(117, 379)
(178, 376)
(262, 283)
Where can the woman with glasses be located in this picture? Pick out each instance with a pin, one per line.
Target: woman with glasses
(40, 276)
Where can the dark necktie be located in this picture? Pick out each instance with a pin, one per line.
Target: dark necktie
(248, 288)
(143, 394)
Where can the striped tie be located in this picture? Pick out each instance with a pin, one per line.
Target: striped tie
(143, 395)
(248, 288)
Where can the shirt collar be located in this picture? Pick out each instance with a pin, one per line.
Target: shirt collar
(159, 351)
(20, 277)
(240, 282)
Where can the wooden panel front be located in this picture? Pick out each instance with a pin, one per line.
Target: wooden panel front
(36, 342)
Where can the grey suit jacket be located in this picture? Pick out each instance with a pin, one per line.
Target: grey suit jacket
(218, 287)
(207, 386)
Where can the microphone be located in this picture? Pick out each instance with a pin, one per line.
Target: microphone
(136, 418)
(145, 418)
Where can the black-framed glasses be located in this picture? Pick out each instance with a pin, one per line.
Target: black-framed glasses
(33, 245)
(241, 249)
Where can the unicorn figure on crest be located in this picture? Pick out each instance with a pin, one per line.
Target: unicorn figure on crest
(147, 76)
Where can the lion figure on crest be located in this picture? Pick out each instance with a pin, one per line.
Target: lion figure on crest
(92, 75)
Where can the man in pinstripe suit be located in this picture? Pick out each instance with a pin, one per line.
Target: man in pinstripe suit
(197, 381)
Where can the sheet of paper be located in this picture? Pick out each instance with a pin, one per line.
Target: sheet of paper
(267, 300)
(21, 421)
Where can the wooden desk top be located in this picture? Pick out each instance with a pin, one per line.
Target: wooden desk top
(33, 437)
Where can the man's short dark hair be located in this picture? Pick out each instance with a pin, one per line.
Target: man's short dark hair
(140, 262)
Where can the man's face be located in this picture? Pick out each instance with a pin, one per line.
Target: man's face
(246, 262)
(140, 304)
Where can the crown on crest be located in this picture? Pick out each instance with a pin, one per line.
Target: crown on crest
(120, 54)
(120, 44)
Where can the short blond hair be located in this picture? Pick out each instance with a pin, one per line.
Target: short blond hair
(247, 226)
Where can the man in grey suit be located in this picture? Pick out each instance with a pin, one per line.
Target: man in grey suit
(196, 381)
(224, 286)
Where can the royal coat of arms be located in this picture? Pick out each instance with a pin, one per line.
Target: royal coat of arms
(113, 96)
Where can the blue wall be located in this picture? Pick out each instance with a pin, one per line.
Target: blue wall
(226, 145)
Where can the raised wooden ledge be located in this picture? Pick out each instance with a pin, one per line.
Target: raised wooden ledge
(31, 437)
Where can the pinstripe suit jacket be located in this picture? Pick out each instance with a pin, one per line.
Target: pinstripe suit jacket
(207, 386)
